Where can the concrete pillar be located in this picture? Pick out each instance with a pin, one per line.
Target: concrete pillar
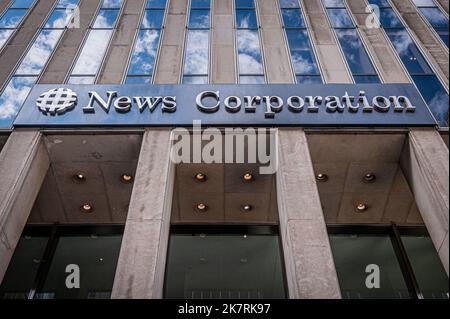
(23, 165)
(378, 45)
(141, 265)
(15, 48)
(444, 4)
(425, 164)
(276, 56)
(435, 50)
(64, 55)
(223, 53)
(168, 70)
(121, 44)
(4, 4)
(328, 53)
(310, 268)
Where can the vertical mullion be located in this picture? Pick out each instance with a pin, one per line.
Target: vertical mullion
(405, 264)
(46, 260)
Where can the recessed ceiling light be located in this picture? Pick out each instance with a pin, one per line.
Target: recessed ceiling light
(126, 178)
(321, 177)
(200, 177)
(247, 208)
(87, 208)
(361, 207)
(248, 177)
(369, 178)
(201, 207)
(79, 178)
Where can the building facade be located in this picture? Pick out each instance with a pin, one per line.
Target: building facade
(224, 149)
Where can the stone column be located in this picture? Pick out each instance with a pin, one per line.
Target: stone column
(116, 61)
(223, 53)
(310, 268)
(425, 164)
(23, 165)
(328, 53)
(141, 265)
(274, 46)
(172, 44)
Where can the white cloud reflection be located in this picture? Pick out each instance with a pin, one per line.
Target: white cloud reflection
(145, 51)
(13, 97)
(197, 55)
(93, 51)
(249, 52)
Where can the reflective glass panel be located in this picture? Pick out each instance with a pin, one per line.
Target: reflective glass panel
(293, 18)
(96, 257)
(156, 3)
(388, 18)
(190, 79)
(22, 3)
(424, 3)
(197, 52)
(93, 51)
(200, 3)
(153, 19)
(138, 80)
(144, 53)
(443, 33)
(427, 266)
(309, 79)
(199, 19)
(244, 3)
(4, 36)
(112, 4)
(246, 19)
(66, 3)
(340, 18)
(224, 267)
(40, 51)
(361, 79)
(353, 253)
(81, 80)
(13, 97)
(249, 52)
(58, 19)
(106, 19)
(354, 51)
(22, 270)
(12, 18)
(435, 17)
(334, 3)
(408, 51)
(252, 79)
(435, 95)
(289, 4)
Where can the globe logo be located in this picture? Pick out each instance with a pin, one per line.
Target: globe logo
(57, 101)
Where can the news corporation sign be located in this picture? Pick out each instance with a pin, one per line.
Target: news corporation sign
(224, 105)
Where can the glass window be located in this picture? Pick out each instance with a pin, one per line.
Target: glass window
(224, 266)
(161, 4)
(334, 3)
(434, 95)
(246, 19)
(75, 79)
(67, 3)
(249, 52)
(4, 36)
(389, 19)
(144, 53)
(195, 79)
(91, 56)
(408, 51)
(200, 3)
(424, 3)
(96, 256)
(106, 19)
(293, 18)
(22, 270)
(340, 18)
(354, 51)
(12, 98)
(197, 53)
(116, 4)
(309, 79)
(289, 4)
(153, 19)
(58, 19)
(353, 253)
(427, 267)
(138, 79)
(199, 19)
(244, 3)
(12, 18)
(22, 3)
(443, 34)
(40, 51)
(435, 17)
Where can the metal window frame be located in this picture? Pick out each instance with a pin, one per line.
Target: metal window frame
(394, 232)
(54, 232)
